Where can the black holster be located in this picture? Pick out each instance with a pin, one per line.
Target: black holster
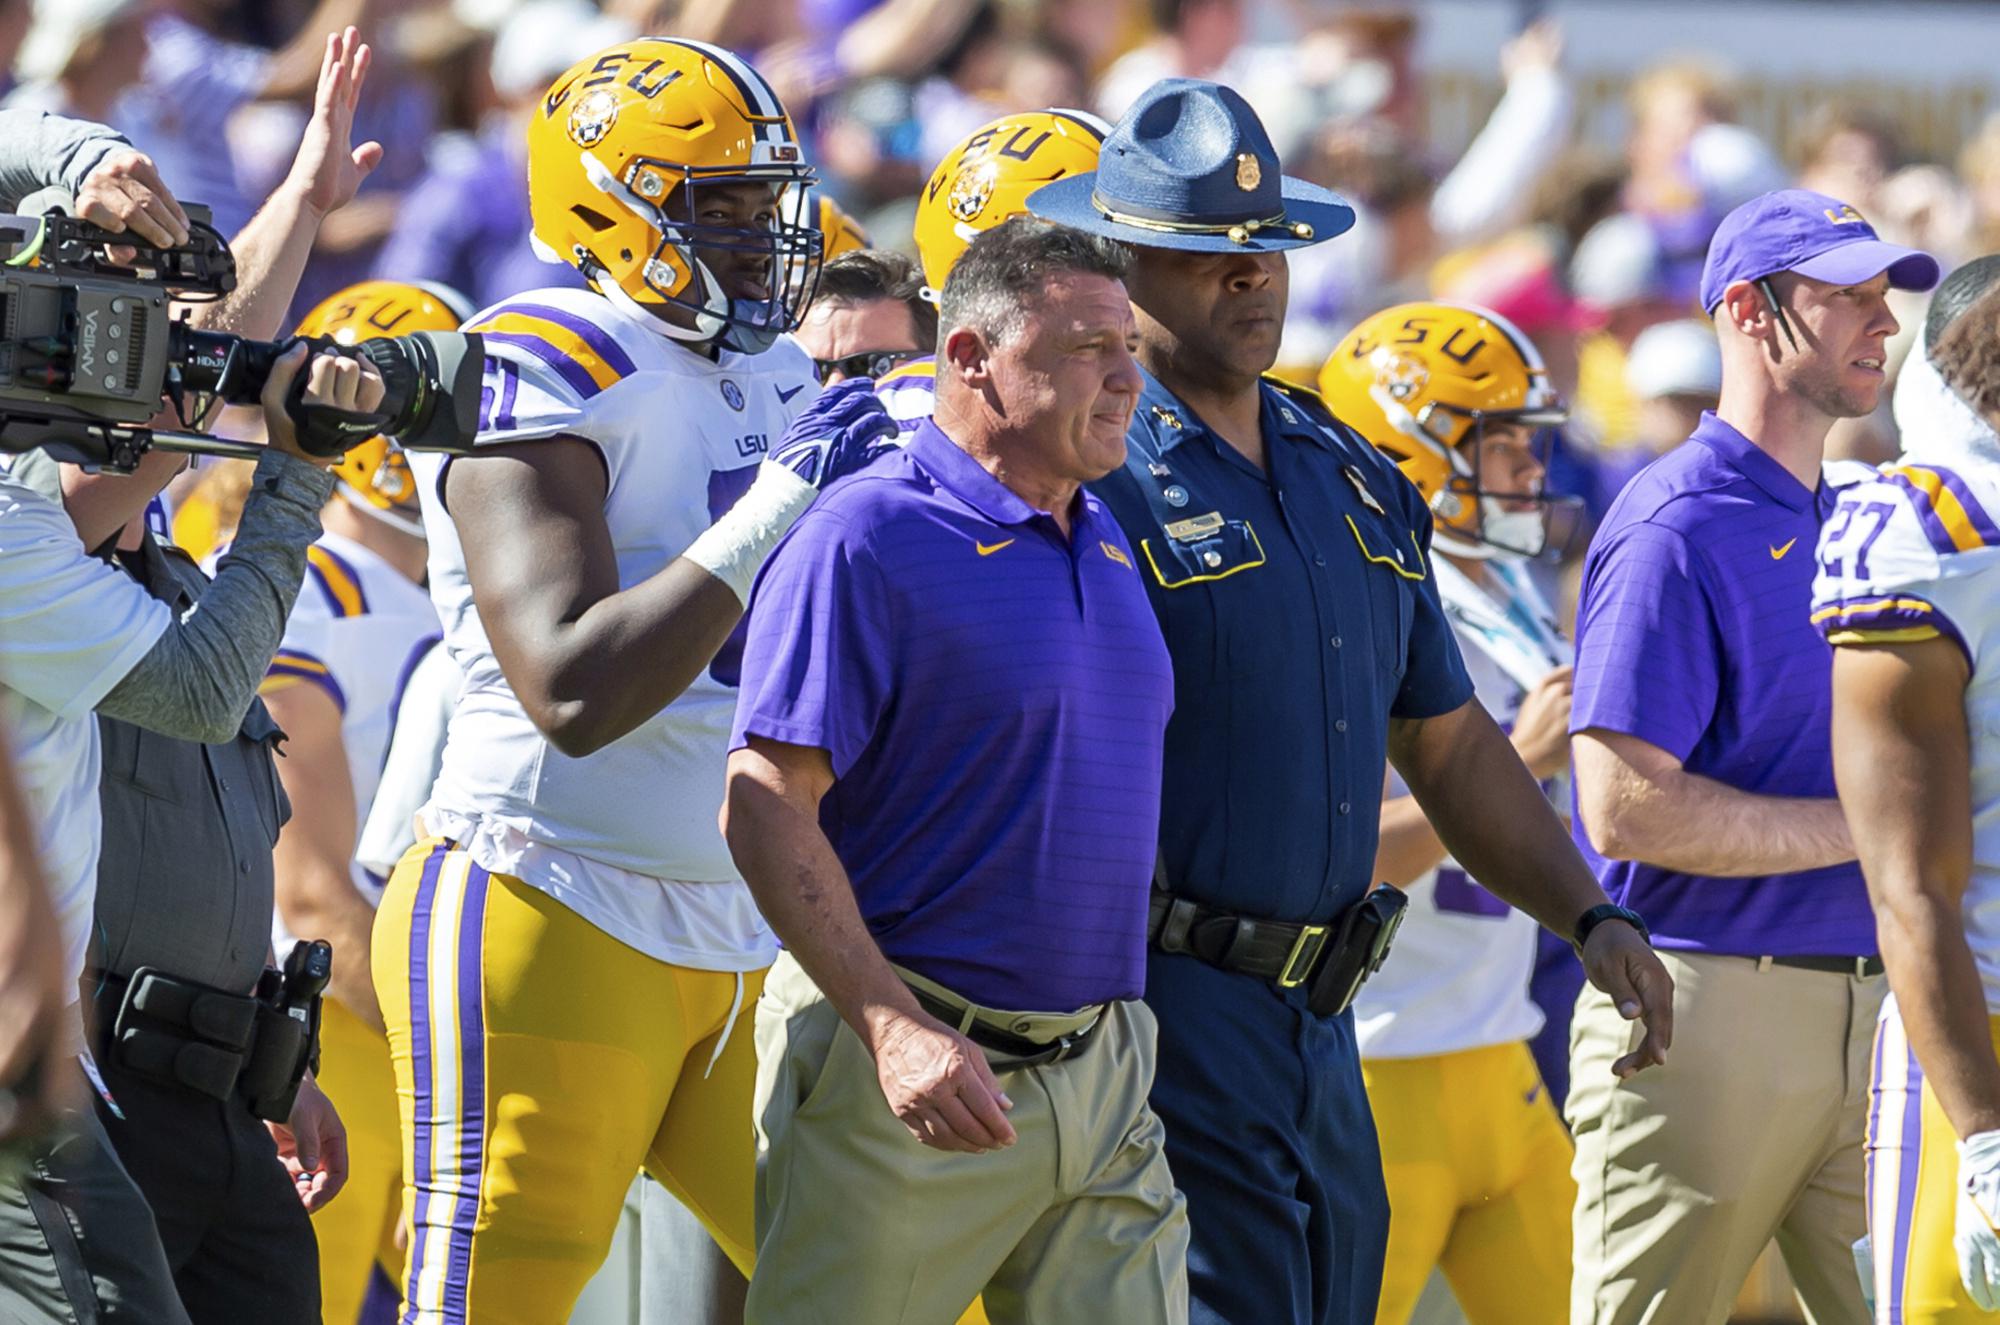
(183, 1033)
(1358, 947)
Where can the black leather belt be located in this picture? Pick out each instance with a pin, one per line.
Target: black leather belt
(1031, 1053)
(1861, 968)
(1270, 949)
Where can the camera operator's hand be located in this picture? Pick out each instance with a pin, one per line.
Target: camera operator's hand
(333, 381)
(328, 169)
(312, 1144)
(125, 192)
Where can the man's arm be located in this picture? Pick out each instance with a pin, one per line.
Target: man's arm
(588, 662)
(1492, 815)
(1639, 803)
(34, 995)
(1902, 758)
(316, 896)
(937, 1081)
(273, 247)
(198, 679)
(271, 254)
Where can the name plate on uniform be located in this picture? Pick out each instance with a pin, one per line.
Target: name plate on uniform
(1200, 526)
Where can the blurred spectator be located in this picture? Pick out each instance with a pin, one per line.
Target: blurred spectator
(466, 221)
(1490, 188)
(1402, 218)
(196, 77)
(869, 315)
(1674, 371)
(79, 58)
(1204, 39)
(1619, 282)
(1979, 167)
(1848, 151)
(1691, 162)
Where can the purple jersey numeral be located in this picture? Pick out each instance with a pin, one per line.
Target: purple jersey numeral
(497, 385)
(1881, 510)
(1459, 895)
(725, 488)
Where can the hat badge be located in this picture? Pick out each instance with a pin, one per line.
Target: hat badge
(1248, 173)
(1845, 216)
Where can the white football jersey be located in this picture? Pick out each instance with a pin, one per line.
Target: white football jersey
(1457, 977)
(1912, 552)
(681, 437)
(909, 393)
(359, 624)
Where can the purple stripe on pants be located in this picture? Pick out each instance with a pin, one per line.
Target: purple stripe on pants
(1912, 1143)
(420, 1056)
(471, 1091)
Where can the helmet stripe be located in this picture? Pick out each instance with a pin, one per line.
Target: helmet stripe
(1098, 128)
(757, 94)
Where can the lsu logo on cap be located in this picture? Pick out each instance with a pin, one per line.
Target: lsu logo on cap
(1845, 215)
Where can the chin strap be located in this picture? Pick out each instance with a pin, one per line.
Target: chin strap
(395, 517)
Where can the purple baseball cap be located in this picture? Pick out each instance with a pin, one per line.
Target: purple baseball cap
(1811, 234)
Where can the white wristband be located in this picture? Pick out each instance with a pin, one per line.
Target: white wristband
(733, 548)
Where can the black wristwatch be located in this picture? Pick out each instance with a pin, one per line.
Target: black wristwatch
(1602, 912)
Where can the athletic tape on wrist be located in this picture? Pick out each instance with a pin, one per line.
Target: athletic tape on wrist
(733, 548)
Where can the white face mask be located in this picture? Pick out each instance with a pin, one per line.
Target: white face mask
(1512, 533)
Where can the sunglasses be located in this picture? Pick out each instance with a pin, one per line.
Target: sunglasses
(868, 363)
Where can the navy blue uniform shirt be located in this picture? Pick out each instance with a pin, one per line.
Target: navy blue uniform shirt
(1301, 615)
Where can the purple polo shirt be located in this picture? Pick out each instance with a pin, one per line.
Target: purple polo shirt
(1693, 634)
(994, 699)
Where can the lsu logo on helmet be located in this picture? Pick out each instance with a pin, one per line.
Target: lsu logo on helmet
(1421, 382)
(988, 177)
(375, 476)
(618, 153)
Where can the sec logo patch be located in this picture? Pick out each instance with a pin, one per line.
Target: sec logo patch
(733, 394)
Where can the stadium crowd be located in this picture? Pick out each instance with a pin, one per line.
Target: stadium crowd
(1087, 495)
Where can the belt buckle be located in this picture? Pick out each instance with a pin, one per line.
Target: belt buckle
(1305, 951)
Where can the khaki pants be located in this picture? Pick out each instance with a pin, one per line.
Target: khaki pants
(859, 1222)
(1752, 1130)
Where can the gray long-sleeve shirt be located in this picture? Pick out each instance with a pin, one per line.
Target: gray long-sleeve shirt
(41, 151)
(198, 679)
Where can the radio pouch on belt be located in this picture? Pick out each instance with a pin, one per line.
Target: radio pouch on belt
(182, 1033)
(1356, 950)
(287, 1031)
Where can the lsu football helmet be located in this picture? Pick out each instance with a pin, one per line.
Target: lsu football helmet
(1423, 381)
(839, 232)
(375, 476)
(988, 177)
(617, 151)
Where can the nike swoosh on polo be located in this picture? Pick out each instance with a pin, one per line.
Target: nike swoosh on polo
(1534, 1094)
(1778, 553)
(785, 397)
(988, 549)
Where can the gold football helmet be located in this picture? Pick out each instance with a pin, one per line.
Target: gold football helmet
(617, 151)
(375, 476)
(1422, 381)
(839, 232)
(988, 177)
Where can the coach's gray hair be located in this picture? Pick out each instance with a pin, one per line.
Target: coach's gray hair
(1006, 268)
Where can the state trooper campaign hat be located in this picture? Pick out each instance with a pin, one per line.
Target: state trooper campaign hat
(1189, 166)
